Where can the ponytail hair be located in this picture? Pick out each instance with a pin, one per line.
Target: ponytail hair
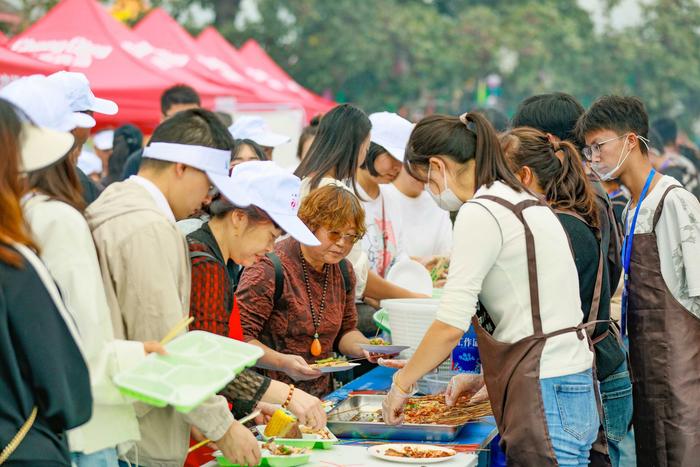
(557, 167)
(462, 139)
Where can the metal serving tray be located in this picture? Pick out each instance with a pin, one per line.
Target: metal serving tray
(341, 424)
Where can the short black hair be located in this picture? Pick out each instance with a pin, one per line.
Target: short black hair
(178, 94)
(197, 127)
(621, 114)
(375, 150)
(555, 113)
(667, 129)
(257, 149)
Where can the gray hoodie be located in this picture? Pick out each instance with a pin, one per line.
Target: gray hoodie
(146, 273)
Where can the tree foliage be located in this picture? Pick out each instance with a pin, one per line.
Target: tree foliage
(431, 54)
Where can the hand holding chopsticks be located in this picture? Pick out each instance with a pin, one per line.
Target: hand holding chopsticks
(175, 330)
(242, 421)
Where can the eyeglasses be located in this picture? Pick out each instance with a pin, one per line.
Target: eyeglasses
(335, 236)
(594, 149)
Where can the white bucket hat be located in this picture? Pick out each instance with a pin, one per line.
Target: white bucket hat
(392, 132)
(76, 88)
(274, 190)
(45, 104)
(257, 129)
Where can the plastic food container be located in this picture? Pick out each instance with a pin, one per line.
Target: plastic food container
(308, 440)
(409, 319)
(198, 365)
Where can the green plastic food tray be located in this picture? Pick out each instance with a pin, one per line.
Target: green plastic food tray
(308, 440)
(198, 365)
(272, 461)
(381, 319)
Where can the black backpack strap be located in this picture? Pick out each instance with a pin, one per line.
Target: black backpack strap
(202, 254)
(279, 276)
(346, 275)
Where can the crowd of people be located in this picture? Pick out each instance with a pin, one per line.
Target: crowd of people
(573, 254)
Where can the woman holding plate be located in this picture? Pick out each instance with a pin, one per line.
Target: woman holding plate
(509, 248)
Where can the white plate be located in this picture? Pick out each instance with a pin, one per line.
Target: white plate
(411, 275)
(384, 349)
(336, 369)
(378, 451)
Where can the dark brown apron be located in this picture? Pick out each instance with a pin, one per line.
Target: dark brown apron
(665, 355)
(511, 371)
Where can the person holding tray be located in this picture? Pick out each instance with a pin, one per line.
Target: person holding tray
(509, 248)
(298, 304)
(146, 271)
(238, 235)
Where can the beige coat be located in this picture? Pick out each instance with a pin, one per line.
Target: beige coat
(146, 273)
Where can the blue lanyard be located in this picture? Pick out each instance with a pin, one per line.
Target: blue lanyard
(615, 193)
(627, 251)
(629, 237)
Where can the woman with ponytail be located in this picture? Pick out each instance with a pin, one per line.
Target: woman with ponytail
(553, 170)
(511, 254)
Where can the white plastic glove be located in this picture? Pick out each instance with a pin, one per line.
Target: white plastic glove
(466, 384)
(394, 403)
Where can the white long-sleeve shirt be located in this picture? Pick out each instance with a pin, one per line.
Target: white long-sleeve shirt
(68, 251)
(426, 230)
(489, 263)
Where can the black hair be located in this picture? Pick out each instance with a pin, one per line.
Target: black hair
(375, 150)
(337, 145)
(225, 118)
(127, 140)
(555, 113)
(446, 135)
(178, 94)
(667, 129)
(498, 118)
(621, 114)
(257, 149)
(309, 131)
(655, 140)
(198, 127)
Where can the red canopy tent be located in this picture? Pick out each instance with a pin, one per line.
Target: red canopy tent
(3, 39)
(161, 30)
(82, 36)
(214, 43)
(14, 65)
(254, 53)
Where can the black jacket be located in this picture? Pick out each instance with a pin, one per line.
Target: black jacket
(40, 365)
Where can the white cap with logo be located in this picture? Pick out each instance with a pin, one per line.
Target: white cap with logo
(392, 132)
(44, 104)
(257, 129)
(274, 190)
(76, 88)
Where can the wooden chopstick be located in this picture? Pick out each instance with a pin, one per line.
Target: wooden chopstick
(175, 330)
(243, 420)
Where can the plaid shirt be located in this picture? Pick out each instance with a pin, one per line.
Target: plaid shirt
(211, 305)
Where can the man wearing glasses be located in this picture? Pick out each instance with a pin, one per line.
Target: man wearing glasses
(661, 298)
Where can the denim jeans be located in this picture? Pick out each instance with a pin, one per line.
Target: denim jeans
(572, 416)
(616, 395)
(104, 458)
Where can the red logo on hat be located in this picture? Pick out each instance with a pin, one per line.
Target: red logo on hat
(295, 202)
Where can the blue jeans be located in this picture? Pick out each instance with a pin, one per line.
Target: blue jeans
(572, 416)
(104, 458)
(616, 395)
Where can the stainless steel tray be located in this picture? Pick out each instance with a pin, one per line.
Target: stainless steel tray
(341, 424)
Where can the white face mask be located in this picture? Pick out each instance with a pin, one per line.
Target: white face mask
(603, 171)
(446, 200)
